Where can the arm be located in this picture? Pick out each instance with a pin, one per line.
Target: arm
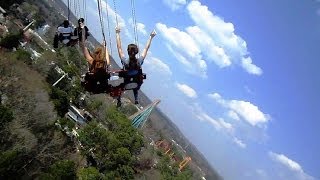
(85, 52)
(119, 47)
(106, 53)
(145, 51)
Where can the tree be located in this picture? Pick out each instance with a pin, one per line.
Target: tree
(60, 101)
(64, 169)
(90, 173)
(6, 4)
(11, 40)
(5, 116)
(11, 162)
(24, 56)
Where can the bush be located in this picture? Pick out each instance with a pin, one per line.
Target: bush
(11, 40)
(24, 56)
(64, 169)
(5, 116)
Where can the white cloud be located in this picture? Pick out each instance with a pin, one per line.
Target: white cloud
(219, 124)
(249, 67)
(179, 39)
(187, 90)
(224, 42)
(175, 4)
(246, 110)
(290, 165)
(184, 48)
(233, 115)
(239, 143)
(208, 46)
(140, 26)
(156, 65)
(284, 160)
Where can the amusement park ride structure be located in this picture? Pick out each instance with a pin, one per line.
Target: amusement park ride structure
(138, 120)
(164, 145)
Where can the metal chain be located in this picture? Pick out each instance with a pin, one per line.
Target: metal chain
(115, 11)
(135, 24)
(110, 44)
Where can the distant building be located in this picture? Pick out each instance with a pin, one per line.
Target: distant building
(3, 19)
(79, 116)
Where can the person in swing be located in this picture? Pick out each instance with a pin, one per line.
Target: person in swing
(96, 80)
(63, 34)
(132, 64)
(78, 31)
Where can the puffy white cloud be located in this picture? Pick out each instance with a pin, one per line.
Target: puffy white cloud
(284, 160)
(156, 65)
(187, 90)
(246, 110)
(179, 39)
(140, 26)
(294, 167)
(208, 47)
(184, 48)
(221, 38)
(249, 67)
(233, 115)
(239, 143)
(218, 124)
(175, 4)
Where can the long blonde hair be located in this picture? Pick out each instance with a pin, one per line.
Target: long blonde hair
(98, 56)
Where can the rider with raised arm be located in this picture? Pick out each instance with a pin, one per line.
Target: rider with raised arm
(132, 64)
(96, 80)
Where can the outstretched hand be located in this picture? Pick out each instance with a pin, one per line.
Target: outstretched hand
(117, 29)
(153, 33)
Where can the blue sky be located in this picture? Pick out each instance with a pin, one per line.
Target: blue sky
(239, 78)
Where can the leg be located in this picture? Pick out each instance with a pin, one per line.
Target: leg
(56, 41)
(135, 94)
(119, 101)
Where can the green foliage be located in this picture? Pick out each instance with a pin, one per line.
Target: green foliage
(64, 169)
(11, 40)
(128, 110)
(6, 116)
(7, 3)
(89, 173)
(67, 122)
(10, 163)
(114, 148)
(40, 21)
(94, 105)
(24, 56)
(60, 101)
(171, 171)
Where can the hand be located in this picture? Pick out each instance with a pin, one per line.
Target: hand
(117, 29)
(153, 33)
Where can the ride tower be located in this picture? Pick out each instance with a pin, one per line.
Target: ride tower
(139, 118)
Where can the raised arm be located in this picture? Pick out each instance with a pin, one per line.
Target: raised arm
(86, 52)
(119, 47)
(145, 51)
(106, 53)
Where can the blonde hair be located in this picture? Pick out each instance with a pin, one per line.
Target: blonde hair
(99, 54)
(98, 59)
